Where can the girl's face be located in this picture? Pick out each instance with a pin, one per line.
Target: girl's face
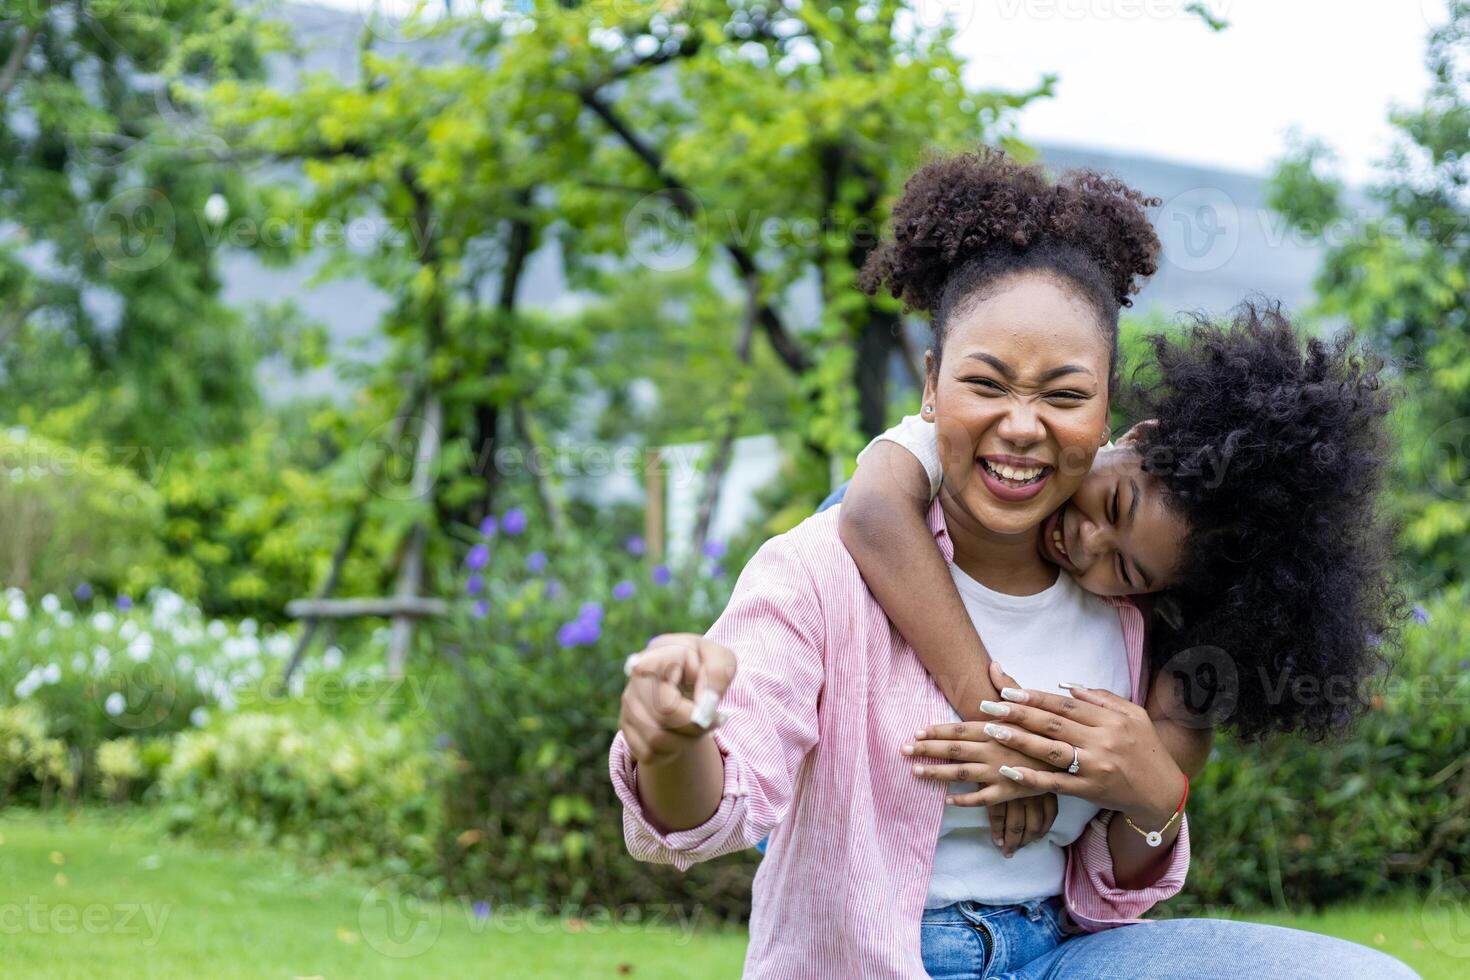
(1117, 535)
(1020, 398)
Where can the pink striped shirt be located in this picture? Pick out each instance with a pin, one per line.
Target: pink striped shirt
(826, 692)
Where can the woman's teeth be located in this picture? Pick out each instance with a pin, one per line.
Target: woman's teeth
(1014, 475)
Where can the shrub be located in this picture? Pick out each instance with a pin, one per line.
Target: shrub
(156, 667)
(533, 709)
(29, 759)
(74, 516)
(359, 792)
(1290, 823)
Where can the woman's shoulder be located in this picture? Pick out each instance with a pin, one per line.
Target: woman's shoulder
(815, 548)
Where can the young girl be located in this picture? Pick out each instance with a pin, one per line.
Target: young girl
(1249, 501)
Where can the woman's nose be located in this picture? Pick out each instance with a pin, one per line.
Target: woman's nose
(1021, 425)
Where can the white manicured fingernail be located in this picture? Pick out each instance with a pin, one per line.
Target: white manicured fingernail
(995, 708)
(704, 708)
(630, 663)
(1014, 694)
(1010, 773)
(996, 731)
(1070, 685)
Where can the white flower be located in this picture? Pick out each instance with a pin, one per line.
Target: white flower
(115, 704)
(65, 619)
(280, 644)
(129, 629)
(103, 621)
(184, 663)
(248, 626)
(52, 674)
(79, 663)
(7, 630)
(332, 658)
(217, 629)
(141, 647)
(50, 604)
(17, 610)
(199, 717)
(101, 656)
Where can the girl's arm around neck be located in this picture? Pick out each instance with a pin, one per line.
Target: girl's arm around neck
(882, 524)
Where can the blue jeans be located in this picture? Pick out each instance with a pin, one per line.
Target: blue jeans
(970, 941)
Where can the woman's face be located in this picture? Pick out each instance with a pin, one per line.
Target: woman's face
(1020, 400)
(1118, 535)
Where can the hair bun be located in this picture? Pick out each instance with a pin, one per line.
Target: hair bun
(965, 206)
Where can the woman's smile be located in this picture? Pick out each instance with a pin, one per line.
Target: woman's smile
(1013, 478)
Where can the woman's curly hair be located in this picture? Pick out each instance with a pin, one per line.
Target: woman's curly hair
(968, 220)
(1274, 449)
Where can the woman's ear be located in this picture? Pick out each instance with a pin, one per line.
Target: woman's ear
(1137, 430)
(931, 384)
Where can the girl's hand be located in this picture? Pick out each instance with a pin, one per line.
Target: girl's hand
(1122, 764)
(671, 699)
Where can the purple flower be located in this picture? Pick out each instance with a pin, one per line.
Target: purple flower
(553, 589)
(478, 557)
(482, 909)
(635, 546)
(1421, 615)
(124, 602)
(514, 522)
(489, 526)
(481, 609)
(441, 741)
(661, 575)
(475, 584)
(716, 570)
(536, 562)
(578, 632)
(623, 590)
(714, 549)
(83, 592)
(591, 612)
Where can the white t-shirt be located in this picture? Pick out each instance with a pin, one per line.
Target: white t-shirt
(1062, 634)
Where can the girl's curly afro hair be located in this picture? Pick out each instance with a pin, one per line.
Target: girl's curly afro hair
(1274, 449)
(967, 221)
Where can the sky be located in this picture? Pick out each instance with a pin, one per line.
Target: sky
(1141, 77)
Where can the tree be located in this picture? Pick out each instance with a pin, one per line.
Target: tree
(661, 146)
(1399, 273)
(112, 314)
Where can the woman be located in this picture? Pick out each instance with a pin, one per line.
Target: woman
(1250, 501)
(826, 691)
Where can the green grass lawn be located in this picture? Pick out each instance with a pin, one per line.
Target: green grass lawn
(100, 894)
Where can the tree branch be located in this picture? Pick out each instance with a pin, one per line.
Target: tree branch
(10, 74)
(781, 340)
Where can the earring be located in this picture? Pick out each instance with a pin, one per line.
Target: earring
(1107, 437)
(928, 409)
